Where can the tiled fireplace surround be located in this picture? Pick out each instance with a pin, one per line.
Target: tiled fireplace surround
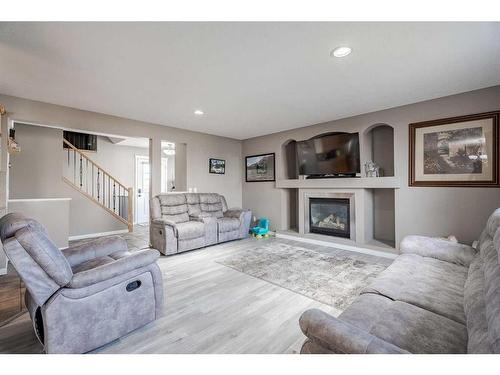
(358, 210)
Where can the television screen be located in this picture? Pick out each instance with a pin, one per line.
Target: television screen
(332, 154)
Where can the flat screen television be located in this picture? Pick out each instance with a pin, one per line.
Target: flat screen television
(334, 154)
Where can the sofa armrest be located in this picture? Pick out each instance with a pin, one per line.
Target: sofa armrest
(235, 213)
(342, 337)
(163, 222)
(94, 249)
(107, 271)
(438, 248)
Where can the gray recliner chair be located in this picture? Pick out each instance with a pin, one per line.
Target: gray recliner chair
(87, 295)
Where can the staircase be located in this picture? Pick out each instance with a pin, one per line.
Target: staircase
(95, 183)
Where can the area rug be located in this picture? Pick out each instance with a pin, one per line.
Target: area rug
(334, 279)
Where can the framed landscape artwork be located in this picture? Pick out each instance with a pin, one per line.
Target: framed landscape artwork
(458, 151)
(216, 166)
(260, 168)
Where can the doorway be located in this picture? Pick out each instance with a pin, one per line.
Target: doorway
(142, 176)
(142, 173)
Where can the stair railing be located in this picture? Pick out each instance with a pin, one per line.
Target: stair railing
(98, 185)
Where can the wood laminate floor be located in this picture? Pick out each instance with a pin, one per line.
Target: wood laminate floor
(209, 308)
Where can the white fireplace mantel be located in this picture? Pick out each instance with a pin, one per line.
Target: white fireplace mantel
(361, 213)
(352, 214)
(341, 183)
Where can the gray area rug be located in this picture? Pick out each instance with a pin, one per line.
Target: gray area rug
(334, 279)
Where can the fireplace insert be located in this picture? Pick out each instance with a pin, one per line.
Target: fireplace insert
(330, 216)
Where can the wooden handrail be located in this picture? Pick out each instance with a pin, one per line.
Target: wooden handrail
(94, 163)
(100, 189)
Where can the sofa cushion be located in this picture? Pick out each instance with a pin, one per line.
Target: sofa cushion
(491, 268)
(92, 263)
(405, 325)
(190, 230)
(191, 244)
(45, 253)
(438, 248)
(475, 310)
(211, 203)
(228, 224)
(193, 202)
(493, 223)
(428, 283)
(174, 207)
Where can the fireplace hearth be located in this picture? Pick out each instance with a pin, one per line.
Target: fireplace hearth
(330, 216)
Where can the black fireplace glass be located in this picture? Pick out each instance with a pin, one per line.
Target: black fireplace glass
(330, 216)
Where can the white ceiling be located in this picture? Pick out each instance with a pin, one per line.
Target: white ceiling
(138, 142)
(250, 79)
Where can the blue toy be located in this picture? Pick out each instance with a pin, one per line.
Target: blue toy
(262, 229)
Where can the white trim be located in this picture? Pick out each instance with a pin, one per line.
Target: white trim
(78, 130)
(38, 199)
(337, 245)
(3, 271)
(94, 235)
(136, 211)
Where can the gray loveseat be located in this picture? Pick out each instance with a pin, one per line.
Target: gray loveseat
(437, 297)
(187, 221)
(85, 296)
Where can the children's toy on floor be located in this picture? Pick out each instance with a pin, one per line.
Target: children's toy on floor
(262, 229)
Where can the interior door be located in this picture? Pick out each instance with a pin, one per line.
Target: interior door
(142, 176)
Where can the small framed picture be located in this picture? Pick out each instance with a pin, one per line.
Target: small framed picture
(216, 166)
(458, 151)
(260, 168)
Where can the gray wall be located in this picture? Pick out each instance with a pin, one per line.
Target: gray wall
(181, 167)
(428, 211)
(36, 174)
(56, 222)
(118, 160)
(199, 147)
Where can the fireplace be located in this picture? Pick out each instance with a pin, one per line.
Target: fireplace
(330, 216)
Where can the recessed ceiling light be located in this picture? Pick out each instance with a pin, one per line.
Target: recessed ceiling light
(341, 51)
(198, 112)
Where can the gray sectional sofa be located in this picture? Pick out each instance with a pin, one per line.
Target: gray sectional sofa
(437, 297)
(187, 221)
(85, 296)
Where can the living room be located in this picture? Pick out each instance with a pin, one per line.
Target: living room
(326, 187)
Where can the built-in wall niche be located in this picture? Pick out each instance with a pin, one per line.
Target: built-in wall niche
(289, 152)
(384, 230)
(324, 155)
(378, 142)
(291, 206)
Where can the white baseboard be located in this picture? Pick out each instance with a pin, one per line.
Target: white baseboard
(3, 271)
(94, 235)
(338, 245)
